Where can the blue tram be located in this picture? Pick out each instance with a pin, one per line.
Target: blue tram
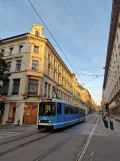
(56, 113)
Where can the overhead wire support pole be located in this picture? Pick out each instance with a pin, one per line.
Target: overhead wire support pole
(54, 39)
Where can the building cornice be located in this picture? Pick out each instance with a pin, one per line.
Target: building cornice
(112, 33)
(13, 38)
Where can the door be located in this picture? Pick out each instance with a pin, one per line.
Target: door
(30, 113)
(60, 117)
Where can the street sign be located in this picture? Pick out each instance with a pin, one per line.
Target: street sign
(3, 97)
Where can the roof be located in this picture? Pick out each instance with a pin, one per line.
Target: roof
(112, 33)
(24, 34)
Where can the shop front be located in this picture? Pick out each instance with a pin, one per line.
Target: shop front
(12, 112)
(30, 113)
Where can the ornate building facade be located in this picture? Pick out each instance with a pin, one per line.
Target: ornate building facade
(36, 71)
(111, 86)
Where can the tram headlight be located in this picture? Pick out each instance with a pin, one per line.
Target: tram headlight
(39, 121)
(49, 121)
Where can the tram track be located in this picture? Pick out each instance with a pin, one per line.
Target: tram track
(24, 144)
(53, 148)
(49, 151)
(15, 139)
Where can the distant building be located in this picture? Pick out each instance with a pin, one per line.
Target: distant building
(88, 101)
(36, 71)
(98, 107)
(111, 86)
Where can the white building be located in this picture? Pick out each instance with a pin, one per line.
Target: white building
(111, 86)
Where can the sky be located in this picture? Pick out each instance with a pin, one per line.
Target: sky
(81, 28)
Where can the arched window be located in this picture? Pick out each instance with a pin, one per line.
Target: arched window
(37, 33)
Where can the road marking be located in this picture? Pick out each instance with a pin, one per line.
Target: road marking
(93, 119)
(92, 153)
(84, 148)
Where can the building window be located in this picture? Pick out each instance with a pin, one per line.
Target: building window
(18, 65)
(2, 50)
(48, 71)
(5, 87)
(9, 66)
(36, 49)
(117, 37)
(11, 50)
(49, 91)
(20, 48)
(48, 57)
(16, 84)
(45, 94)
(35, 65)
(58, 79)
(33, 87)
(37, 33)
(53, 91)
(54, 75)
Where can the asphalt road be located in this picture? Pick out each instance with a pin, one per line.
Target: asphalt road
(89, 141)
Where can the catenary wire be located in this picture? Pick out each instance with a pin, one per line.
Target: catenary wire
(54, 40)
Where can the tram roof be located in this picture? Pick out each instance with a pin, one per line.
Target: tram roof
(59, 100)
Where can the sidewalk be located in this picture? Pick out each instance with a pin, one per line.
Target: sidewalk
(105, 143)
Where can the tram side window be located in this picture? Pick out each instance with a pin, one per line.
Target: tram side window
(72, 110)
(67, 109)
(59, 109)
(76, 110)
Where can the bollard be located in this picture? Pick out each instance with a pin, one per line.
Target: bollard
(105, 121)
(111, 125)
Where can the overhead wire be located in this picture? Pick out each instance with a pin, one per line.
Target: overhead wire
(92, 79)
(90, 68)
(93, 75)
(54, 39)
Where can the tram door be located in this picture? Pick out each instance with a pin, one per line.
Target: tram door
(60, 117)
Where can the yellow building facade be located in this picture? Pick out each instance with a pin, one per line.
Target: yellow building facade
(36, 71)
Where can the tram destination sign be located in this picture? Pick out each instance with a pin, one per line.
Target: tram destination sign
(46, 100)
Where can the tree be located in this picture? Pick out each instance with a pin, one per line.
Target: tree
(4, 75)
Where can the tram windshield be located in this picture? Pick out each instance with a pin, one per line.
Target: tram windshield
(47, 109)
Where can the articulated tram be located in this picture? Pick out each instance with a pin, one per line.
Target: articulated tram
(56, 113)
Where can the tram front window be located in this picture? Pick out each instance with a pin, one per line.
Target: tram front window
(47, 109)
